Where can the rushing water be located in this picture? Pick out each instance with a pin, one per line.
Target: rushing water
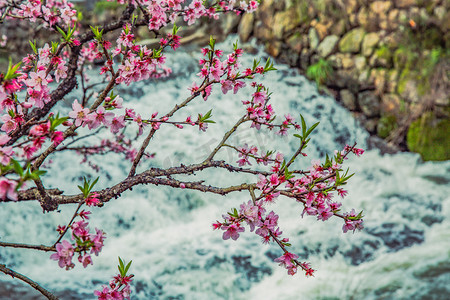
(403, 252)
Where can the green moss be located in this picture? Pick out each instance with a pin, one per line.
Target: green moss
(403, 79)
(429, 137)
(385, 126)
(302, 8)
(320, 71)
(101, 6)
(384, 52)
(403, 106)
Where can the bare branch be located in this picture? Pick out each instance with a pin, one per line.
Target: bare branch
(27, 246)
(27, 280)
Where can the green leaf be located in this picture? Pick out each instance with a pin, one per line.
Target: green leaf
(128, 267)
(311, 129)
(303, 125)
(235, 45)
(175, 29)
(269, 66)
(70, 32)
(62, 32)
(212, 42)
(347, 177)
(255, 64)
(55, 121)
(93, 183)
(157, 53)
(121, 263)
(33, 46)
(11, 74)
(87, 186)
(97, 33)
(54, 47)
(17, 167)
(208, 114)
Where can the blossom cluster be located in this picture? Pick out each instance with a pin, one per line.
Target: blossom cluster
(266, 225)
(50, 12)
(119, 286)
(119, 289)
(314, 189)
(83, 242)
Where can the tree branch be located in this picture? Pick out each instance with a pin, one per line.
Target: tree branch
(26, 246)
(27, 280)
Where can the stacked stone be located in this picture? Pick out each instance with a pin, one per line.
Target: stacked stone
(364, 41)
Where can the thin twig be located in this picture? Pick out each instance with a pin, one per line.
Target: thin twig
(225, 137)
(27, 246)
(68, 225)
(27, 280)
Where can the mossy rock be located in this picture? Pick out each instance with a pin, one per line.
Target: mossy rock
(386, 125)
(351, 41)
(408, 84)
(429, 137)
(401, 58)
(384, 53)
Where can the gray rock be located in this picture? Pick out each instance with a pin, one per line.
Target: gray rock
(369, 42)
(351, 42)
(348, 99)
(328, 45)
(380, 7)
(246, 26)
(313, 38)
(404, 3)
(369, 103)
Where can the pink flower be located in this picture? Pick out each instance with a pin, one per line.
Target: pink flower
(226, 86)
(98, 117)
(5, 155)
(117, 123)
(232, 231)
(61, 229)
(64, 255)
(259, 97)
(216, 225)
(8, 189)
(85, 259)
(342, 192)
(358, 152)
(84, 214)
(286, 259)
(92, 200)
(79, 113)
(9, 123)
(97, 239)
(238, 85)
(57, 137)
(104, 294)
(324, 214)
(38, 79)
(61, 71)
(79, 229)
(262, 181)
(274, 180)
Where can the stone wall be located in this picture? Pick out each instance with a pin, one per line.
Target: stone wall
(389, 60)
(386, 61)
